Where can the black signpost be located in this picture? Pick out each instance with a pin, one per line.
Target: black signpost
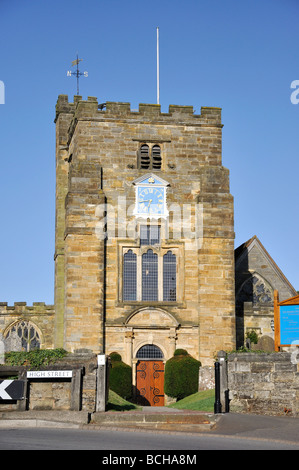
(217, 404)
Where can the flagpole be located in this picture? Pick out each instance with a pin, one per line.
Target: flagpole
(77, 74)
(158, 71)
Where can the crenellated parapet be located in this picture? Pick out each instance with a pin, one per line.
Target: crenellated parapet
(22, 308)
(92, 106)
(92, 110)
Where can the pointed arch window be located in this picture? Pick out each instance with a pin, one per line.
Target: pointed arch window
(149, 269)
(256, 290)
(22, 336)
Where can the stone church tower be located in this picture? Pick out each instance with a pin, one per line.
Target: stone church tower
(144, 255)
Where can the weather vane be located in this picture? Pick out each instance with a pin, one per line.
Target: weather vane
(77, 73)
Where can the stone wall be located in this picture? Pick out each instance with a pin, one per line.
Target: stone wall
(78, 393)
(263, 383)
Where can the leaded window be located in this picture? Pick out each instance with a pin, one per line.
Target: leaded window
(149, 271)
(130, 276)
(22, 336)
(149, 351)
(169, 277)
(149, 234)
(150, 276)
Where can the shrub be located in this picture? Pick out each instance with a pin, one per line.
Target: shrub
(35, 358)
(252, 335)
(115, 356)
(180, 352)
(120, 377)
(181, 375)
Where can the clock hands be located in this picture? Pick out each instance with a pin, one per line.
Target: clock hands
(147, 200)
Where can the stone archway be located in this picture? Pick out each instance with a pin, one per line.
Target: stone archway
(150, 326)
(147, 326)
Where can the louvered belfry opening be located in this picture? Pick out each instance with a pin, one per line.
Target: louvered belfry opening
(156, 157)
(149, 159)
(144, 157)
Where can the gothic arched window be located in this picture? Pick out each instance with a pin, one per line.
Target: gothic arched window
(149, 271)
(22, 336)
(256, 290)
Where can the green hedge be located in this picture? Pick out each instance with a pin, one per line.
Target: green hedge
(181, 375)
(120, 377)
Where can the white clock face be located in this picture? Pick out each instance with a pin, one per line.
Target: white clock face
(150, 201)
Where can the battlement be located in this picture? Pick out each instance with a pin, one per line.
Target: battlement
(22, 307)
(92, 109)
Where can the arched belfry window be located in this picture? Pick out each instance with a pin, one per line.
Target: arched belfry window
(156, 157)
(149, 351)
(22, 336)
(144, 157)
(149, 158)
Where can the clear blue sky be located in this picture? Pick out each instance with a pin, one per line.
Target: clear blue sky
(238, 55)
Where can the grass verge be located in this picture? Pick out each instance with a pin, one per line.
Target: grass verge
(200, 401)
(117, 403)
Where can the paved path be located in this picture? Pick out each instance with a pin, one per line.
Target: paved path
(160, 409)
(280, 428)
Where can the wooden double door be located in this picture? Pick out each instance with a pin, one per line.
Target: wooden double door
(150, 383)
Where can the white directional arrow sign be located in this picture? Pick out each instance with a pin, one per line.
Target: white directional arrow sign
(3, 394)
(11, 389)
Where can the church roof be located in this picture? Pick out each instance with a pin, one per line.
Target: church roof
(254, 241)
